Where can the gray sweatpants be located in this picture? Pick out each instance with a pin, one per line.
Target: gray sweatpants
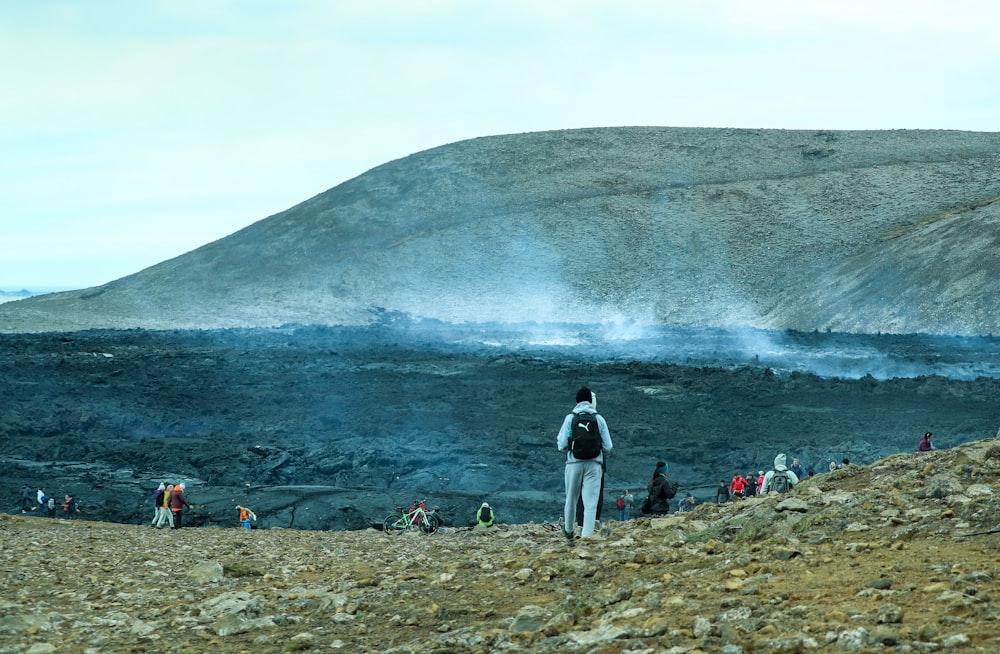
(582, 478)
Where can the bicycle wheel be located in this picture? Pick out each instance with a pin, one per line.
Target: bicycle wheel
(429, 524)
(393, 524)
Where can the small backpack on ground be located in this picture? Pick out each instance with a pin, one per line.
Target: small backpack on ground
(585, 436)
(779, 482)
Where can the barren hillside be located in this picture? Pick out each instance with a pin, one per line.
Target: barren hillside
(881, 231)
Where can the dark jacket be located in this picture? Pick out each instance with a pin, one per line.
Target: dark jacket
(660, 492)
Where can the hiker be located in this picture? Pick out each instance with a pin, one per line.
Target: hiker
(70, 506)
(177, 504)
(27, 501)
(620, 503)
(925, 444)
(246, 515)
(751, 484)
(781, 479)
(686, 504)
(157, 503)
(796, 467)
(584, 436)
(51, 505)
(629, 503)
(760, 482)
(485, 517)
(722, 492)
(166, 515)
(833, 466)
(40, 500)
(661, 490)
(738, 486)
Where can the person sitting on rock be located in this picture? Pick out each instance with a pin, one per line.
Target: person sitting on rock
(485, 517)
(661, 490)
(686, 504)
(246, 516)
(780, 479)
(925, 443)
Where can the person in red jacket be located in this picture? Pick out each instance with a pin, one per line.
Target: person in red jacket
(738, 486)
(177, 504)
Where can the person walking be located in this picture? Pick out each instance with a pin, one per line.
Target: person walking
(584, 436)
(157, 503)
(177, 503)
(27, 501)
(246, 515)
(166, 515)
(629, 503)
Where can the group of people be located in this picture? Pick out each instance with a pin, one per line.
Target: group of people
(585, 439)
(169, 503)
(39, 500)
(780, 479)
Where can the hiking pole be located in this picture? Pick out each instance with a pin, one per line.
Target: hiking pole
(982, 533)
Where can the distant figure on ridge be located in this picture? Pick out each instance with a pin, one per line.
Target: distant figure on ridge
(166, 515)
(157, 503)
(485, 517)
(925, 443)
(246, 516)
(661, 490)
(584, 436)
(177, 504)
(722, 492)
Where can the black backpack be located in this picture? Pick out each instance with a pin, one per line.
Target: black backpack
(779, 482)
(585, 436)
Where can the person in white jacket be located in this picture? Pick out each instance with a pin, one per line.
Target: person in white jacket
(780, 467)
(583, 477)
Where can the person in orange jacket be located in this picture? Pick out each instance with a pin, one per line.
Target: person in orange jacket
(177, 504)
(246, 515)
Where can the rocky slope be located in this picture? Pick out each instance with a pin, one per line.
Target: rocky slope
(871, 232)
(865, 559)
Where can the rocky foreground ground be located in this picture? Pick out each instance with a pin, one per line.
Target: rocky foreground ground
(876, 558)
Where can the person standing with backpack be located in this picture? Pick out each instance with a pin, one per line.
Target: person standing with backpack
(781, 479)
(584, 436)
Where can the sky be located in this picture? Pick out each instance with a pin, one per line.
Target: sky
(133, 132)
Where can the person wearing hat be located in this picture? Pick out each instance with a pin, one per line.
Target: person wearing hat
(485, 516)
(925, 443)
(583, 476)
(177, 503)
(157, 503)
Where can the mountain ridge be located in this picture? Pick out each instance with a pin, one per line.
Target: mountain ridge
(853, 231)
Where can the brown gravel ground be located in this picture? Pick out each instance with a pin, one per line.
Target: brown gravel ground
(871, 558)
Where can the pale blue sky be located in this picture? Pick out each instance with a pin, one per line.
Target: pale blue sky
(132, 132)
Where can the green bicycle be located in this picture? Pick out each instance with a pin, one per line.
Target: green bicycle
(416, 516)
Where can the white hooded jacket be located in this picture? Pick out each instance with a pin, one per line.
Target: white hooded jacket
(779, 464)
